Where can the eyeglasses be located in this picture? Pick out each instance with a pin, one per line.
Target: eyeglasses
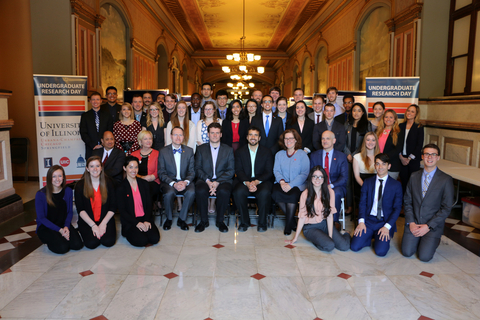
(111, 94)
(428, 155)
(317, 177)
(208, 109)
(267, 101)
(351, 102)
(153, 110)
(288, 139)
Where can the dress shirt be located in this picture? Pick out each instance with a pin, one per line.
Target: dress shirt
(375, 200)
(431, 174)
(196, 115)
(178, 160)
(330, 158)
(315, 117)
(137, 116)
(270, 116)
(253, 156)
(106, 153)
(222, 113)
(338, 109)
(329, 125)
(214, 159)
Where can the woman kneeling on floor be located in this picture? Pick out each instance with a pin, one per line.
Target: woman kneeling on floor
(135, 206)
(315, 216)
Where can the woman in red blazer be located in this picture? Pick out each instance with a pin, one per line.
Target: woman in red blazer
(148, 161)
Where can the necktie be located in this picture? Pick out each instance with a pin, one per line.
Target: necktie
(97, 120)
(318, 118)
(223, 114)
(327, 163)
(379, 200)
(426, 183)
(267, 127)
(105, 160)
(177, 150)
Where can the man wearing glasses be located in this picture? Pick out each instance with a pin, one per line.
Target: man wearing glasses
(270, 128)
(111, 105)
(222, 98)
(427, 203)
(348, 101)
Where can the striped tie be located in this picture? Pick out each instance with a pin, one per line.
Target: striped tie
(426, 183)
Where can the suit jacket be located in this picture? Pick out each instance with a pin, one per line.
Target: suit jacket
(414, 140)
(263, 167)
(152, 162)
(337, 128)
(311, 115)
(394, 150)
(88, 129)
(167, 169)
(225, 167)
(143, 119)
(126, 205)
(84, 204)
(306, 134)
(358, 139)
(227, 132)
(391, 201)
(341, 118)
(113, 110)
(338, 171)
(435, 207)
(113, 167)
(276, 129)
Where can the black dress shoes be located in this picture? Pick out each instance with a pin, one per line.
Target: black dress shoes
(167, 225)
(261, 228)
(201, 226)
(182, 224)
(242, 227)
(222, 227)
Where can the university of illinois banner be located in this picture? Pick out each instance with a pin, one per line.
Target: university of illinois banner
(396, 93)
(59, 103)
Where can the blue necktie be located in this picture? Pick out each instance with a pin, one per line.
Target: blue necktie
(267, 127)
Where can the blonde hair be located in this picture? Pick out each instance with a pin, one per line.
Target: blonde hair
(161, 121)
(130, 108)
(363, 151)
(395, 128)
(417, 114)
(142, 134)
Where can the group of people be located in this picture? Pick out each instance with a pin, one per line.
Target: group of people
(221, 155)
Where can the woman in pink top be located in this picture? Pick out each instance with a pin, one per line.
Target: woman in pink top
(135, 206)
(315, 215)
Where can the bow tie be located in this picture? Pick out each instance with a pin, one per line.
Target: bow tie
(177, 150)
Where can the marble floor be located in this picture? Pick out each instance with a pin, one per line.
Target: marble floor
(213, 275)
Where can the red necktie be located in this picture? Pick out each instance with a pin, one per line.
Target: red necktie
(318, 118)
(105, 160)
(326, 166)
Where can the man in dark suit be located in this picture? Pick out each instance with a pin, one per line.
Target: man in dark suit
(270, 128)
(111, 105)
(138, 114)
(380, 205)
(317, 114)
(222, 98)
(214, 169)
(176, 170)
(348, 101)
(336, 168)
(113, 159)
(254, 181)
(330, 125)
(93, 124)
(427, 203)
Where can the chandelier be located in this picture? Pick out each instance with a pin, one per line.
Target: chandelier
(243, 58)
(240, 88)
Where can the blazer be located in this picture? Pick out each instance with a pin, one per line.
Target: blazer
(126, 205)
(338, 130)
(113, 167)
(306, 134)
(88, 129)
(338, 171)
(288, 116)
(263, 167)
(41, 208)
(83, 204)
(394, 150)
(435, 207)
(167, 169)
(143, 119)
(311, 115)
(152, 162)
(276, 129)
(227, 132)
(359, 138)
(414, 140)
(341, 118)
(225, 167)
(114, 110)
(391, 200)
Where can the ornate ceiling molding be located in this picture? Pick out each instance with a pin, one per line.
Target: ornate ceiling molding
(80, 8)
(412, 13)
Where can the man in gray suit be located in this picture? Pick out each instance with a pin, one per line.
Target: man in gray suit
(427, 203)
(176, 170)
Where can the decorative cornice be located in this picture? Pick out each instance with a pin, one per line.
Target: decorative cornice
(342, 51)
(142, 49)
(464, 126)
(81, 8)
(404, 17)
(6, 124)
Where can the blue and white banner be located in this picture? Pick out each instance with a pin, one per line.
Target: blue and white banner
(396, 93)
(59, 103)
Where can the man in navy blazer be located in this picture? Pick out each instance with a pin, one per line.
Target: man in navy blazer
(380, 205)
(176, 170)
(337, 168)
(275, 125)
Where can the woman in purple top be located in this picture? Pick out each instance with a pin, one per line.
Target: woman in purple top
(53, 204)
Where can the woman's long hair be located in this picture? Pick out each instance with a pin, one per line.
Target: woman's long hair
(362, 124)
(161, 121)
(88, 191)
(281, 98)
(363, 151)
(312, 195)
(49, 186)
(294, 117)
(417, 115)
(186, 121)
(395, 128)
(203, 117)
(242, 114)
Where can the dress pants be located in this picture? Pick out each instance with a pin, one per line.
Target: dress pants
(264, 201)
(138, 238)
(56, 242)
(318, 235)
(169, 195)
(339, 194)
(406, 172)
(426, 245)
(202, 193)
(90, 241)
(365, 239)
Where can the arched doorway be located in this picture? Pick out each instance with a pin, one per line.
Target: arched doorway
(162, 67)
